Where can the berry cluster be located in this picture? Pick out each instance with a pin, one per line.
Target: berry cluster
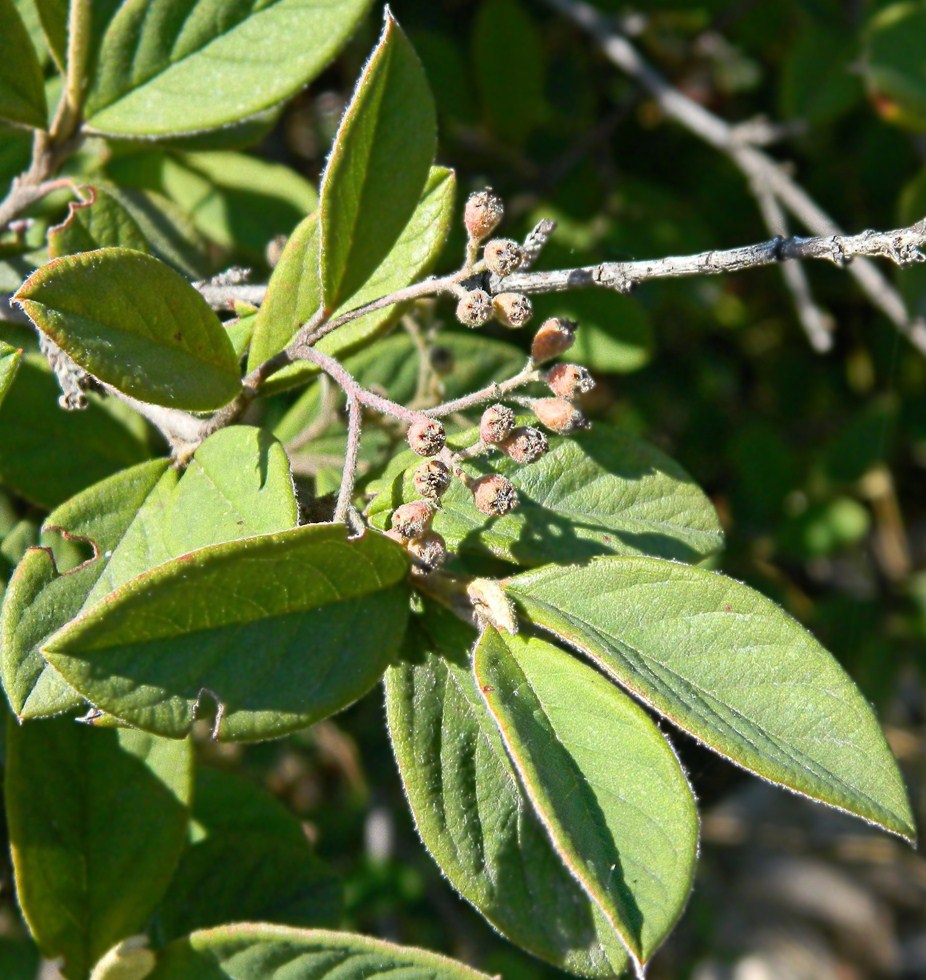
(493, 494)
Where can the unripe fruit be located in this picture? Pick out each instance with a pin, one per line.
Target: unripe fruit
(475, 308)
(494, 495)
(496, 424)
(512, 309)
(558, 415)
(432, 479)
(426, 436)
(569, 380)
(412, 520)
(482, 214)
(430, 551)
(525, 445)
(503, 256)
(554, 338)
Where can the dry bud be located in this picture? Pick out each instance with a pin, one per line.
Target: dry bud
(503, 256)
(558, 415)
(483, 214)
(525, 445)
(569, 380)
(494, 495)
(432, 479)
(430, 551)
(475, 308)
(426, 436)
(554, 338)
(412, 520)
(512, 309)
(496, 424)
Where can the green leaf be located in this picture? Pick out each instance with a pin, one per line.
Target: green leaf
(602, 779)
(471, 810)
(53, 15)
(818, 81)
(508, 61)
(893, 64)
(731, 668)
(293, 293)
(9, 365)
(280, 630)
(594, 493)
(46, 454)
(136, 324)
(166, 68)
(377, 168)
(98, 222)
(135, 520)
(22, 88)
(249, 861)
(97, 821)
(252, 951)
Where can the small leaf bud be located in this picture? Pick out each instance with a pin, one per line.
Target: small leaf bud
(554, 338)
(441, 360)
(432, 479)
(558, 415)
(503, 256)
(512, 309)
(525, 445)
(496, 424)
(412, 520)
(483, 214)
(426, 436)
(430, 551)
(494, 495)
(491, 605)
(475, 308)
(569, 380)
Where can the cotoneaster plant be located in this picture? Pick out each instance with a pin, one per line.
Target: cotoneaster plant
(531, 588)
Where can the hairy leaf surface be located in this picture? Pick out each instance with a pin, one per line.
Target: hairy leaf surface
(22, 89)
(602, 779)
(280, 630)
(136, 324)
(729, 666)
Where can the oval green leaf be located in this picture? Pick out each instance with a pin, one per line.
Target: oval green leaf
(22, 88)
(471, 810)
(594, 493)
(280, 631)
(166, 68)
(9, 365)
(731, 668)
(602, 779)
(252, 951)
(98, 222)
(136, 324)
(97, 821)
(378, 166)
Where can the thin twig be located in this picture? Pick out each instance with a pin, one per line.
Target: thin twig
(349, 473)
(755, 164)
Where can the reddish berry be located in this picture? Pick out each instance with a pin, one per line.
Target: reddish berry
(430, 551)
(475, 308)
(432, 479)
(503, 256)
(496, 424)
(412, 520)
(426, 436)
(482, 214)
(558, 415)
(494, 495)
(554, 338)
(525, 445)
(512, 309)
(569, 380)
